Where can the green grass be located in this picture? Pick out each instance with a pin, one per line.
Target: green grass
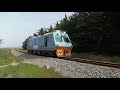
(28, 71)
(5, 57)
(23, 70)
(97, 57)
(81, 55)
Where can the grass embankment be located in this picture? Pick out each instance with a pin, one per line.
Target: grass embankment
(6, 57)
(22, 70)
(28, 71)
(97, 57)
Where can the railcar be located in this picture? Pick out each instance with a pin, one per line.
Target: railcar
(56, 43)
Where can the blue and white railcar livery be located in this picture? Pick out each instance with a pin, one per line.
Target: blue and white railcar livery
(55, 43)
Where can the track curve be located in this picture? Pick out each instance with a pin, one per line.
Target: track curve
(72, 69)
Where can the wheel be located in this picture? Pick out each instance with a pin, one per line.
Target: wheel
(29, 51)
(38, 52)
(34, 52)
(54, 55)
(45, 54)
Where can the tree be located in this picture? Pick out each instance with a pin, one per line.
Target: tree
(46, 30)
(51, 28)
(24, 46)
(89, 30)
(35, 35)
(57, 26)
(41, 31)
(64, 23)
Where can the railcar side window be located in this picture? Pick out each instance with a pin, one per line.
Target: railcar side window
(58, 39)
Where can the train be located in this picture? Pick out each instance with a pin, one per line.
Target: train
(56, 43)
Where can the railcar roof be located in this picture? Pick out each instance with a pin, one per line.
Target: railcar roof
(58, 31)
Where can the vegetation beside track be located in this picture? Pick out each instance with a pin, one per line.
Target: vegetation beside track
(6, 57)
(96, 57)
(22, 70)
(28, 71)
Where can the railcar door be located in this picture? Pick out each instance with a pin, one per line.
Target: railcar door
(45, 41)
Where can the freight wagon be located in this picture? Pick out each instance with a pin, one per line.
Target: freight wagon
(56, 43)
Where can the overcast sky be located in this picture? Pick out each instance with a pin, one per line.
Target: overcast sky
(15, 27)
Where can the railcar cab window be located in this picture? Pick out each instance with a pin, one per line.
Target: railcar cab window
(66, 39)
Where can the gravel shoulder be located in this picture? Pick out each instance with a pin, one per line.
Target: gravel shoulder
(70, 68)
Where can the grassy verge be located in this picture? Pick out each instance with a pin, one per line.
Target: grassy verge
(28, 71)
(23, 70)
(81, 55)
(97, 57)
(6, 57)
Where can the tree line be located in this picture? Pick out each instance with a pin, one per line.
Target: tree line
(89, 31)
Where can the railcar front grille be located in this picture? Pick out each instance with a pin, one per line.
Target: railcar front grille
(63, 51)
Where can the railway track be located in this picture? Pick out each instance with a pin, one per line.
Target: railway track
(108, 64)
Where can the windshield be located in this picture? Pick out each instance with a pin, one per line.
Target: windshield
(58, 39)
(66, 39)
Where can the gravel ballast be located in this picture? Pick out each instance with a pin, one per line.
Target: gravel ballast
(70, 68)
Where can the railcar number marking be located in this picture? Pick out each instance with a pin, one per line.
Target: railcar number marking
(35, 46)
